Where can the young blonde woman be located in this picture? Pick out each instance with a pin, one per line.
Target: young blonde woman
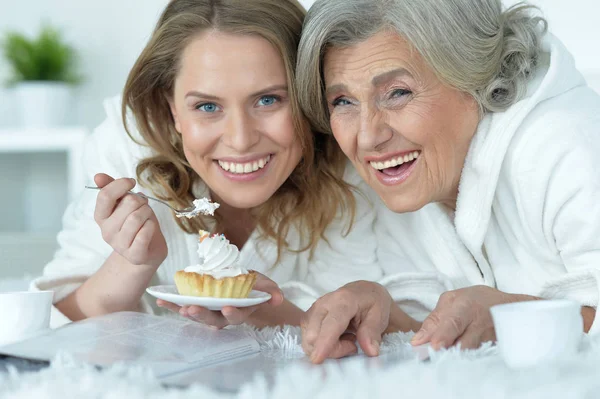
(209, 110)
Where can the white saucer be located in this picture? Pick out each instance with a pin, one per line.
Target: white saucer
(169, 293)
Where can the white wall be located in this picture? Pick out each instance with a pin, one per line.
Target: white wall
(576, 23)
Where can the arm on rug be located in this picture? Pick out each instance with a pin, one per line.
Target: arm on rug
(363, 308)
(463, 317)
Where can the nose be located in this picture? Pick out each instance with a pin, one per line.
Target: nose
(374, 130)
(241, 131)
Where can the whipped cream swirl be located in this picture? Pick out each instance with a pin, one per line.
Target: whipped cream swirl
(201, 206)
(218, 257)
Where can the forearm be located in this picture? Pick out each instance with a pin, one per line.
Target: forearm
(285, 314)
(400, 321)
(117, 286)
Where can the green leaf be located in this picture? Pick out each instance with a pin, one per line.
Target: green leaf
(45, 58)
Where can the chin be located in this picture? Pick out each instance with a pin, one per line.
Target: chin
(244, 201)
(401, 204)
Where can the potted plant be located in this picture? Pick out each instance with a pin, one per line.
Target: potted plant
(43, 70)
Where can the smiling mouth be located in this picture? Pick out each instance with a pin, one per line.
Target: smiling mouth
(396, 166)
(245, 167)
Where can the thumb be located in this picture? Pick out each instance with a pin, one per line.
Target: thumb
(265, 284)
(369, 336)
(427, 329)
(102, 179)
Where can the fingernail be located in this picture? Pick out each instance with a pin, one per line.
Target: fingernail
(418, 336)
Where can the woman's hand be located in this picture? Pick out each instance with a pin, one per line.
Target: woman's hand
(230, 315)
(128, 223)
(463, 317)
(363, 308)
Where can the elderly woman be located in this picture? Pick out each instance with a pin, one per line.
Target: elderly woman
(473, 126)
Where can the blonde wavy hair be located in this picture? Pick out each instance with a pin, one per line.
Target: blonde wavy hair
(314, 194)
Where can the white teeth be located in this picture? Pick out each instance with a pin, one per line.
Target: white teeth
(390, 163)
(249, 167)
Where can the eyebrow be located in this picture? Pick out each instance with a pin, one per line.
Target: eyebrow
(376, 81)
(199, 94)
(387, 76)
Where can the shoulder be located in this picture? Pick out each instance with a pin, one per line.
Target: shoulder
(558, 127)
(553, 155)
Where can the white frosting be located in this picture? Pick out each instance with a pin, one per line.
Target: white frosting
(218, 258)
(201, 206)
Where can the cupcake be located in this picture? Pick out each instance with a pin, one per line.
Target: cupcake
(218, 274)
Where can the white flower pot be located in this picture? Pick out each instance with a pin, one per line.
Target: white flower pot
(43, 104)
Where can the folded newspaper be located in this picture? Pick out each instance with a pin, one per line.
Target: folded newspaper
(165, 345)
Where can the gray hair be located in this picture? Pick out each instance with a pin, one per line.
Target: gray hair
(471, 45)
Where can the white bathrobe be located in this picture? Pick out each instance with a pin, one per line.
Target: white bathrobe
(528, 211)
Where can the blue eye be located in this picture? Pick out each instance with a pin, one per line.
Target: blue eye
(340, 101)
(208, 107)
(267, 100)
(400, 93)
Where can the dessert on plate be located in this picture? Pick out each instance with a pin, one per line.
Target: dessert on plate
(218, 274)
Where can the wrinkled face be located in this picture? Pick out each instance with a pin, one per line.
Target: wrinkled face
(232, 108)
(406, 132)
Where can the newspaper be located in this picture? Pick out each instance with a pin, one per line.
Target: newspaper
(165, 345)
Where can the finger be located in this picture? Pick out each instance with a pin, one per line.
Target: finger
(370, 330)
(429, 326)
(236, 316)
(102, 179)
(109, 196)
(475, 335)
(332, 328)
(133, 224)
(142, 240)
(112, 226)
(168, 305)
(470, 339)
(125, 207)
(265, 284)
(345, 346)
(451, 327)
(205, 316)
(311, 326)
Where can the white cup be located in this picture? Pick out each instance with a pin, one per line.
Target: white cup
(24, 314)
(534, 332)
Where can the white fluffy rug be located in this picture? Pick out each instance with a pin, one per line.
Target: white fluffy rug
(449, 374)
